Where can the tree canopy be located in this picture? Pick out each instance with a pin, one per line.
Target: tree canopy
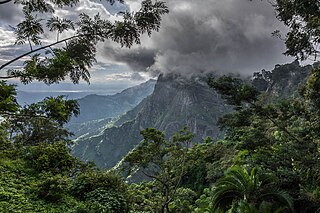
(268, 160)
(74, 55)
(302, 19)
(68, 57)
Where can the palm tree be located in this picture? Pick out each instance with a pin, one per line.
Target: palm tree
(59, 25)
(249, 190)
(29, 30)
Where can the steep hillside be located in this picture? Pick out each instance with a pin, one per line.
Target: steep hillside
(29, 97)
(283, 80)
(176, 102)
(98, 112)
(100, 107)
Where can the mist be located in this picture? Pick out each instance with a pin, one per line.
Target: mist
(229, 36)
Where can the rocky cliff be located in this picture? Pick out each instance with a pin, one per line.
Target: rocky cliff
(176, 102)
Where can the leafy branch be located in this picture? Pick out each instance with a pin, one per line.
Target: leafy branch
(78, 55)
(238, 94)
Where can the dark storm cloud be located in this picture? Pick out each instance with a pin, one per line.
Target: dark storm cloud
(106, 77)
(209, 35)
(10, 13)
(137, 58)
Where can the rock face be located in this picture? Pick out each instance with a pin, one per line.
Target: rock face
(176, 102)
(283, 80)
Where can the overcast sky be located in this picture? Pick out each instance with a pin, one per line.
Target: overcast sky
(197, 36)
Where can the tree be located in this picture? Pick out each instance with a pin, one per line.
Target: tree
(29, 30)
(59, 25)
(278, 135)
(302, 18)
(54, 62)
(41, 122)
(79, 53)
(162, 161)
(253, 189)
(103, 191)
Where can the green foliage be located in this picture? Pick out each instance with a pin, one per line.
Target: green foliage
(59, 25)
(44, 6)
(205, 164)
(52, 188)
(42, 121)
(20, 184)
(183, 202)
(204, 203)
(87, 182)
(28, 186)
(151, 150)
(302, 18)
(234, 90)
(254, 188)
(78, 55)
(5, 144)
(149, 17)
(72, 61)
(280, 137)
(35, 130)
(54, 158)
(158, 159)
(29, 30)
(104, 200)
(8, 103)
(144, 196)
(101, 191)
(312, 90)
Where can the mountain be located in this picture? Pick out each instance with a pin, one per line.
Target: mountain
(284, 80)
(93, 107)
(29, 97)
(176, 102)
(98, 112)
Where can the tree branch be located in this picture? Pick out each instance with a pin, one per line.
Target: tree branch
(180, 177)
(7, 77)
(154, 177)
(38, 49)
(283, 128)
(5, 1)
(23, 115)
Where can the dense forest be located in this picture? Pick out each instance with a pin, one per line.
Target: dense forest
(267, 161)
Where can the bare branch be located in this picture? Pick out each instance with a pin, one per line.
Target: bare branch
(7, 77)
(22, 115)
(156, 178)
(5, 1)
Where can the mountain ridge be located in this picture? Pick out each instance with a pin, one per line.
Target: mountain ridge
(176, 102)
(112, 105)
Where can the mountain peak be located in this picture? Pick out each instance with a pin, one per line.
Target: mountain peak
(176, 102)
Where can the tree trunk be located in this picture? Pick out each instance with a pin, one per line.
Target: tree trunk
(30, 44)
